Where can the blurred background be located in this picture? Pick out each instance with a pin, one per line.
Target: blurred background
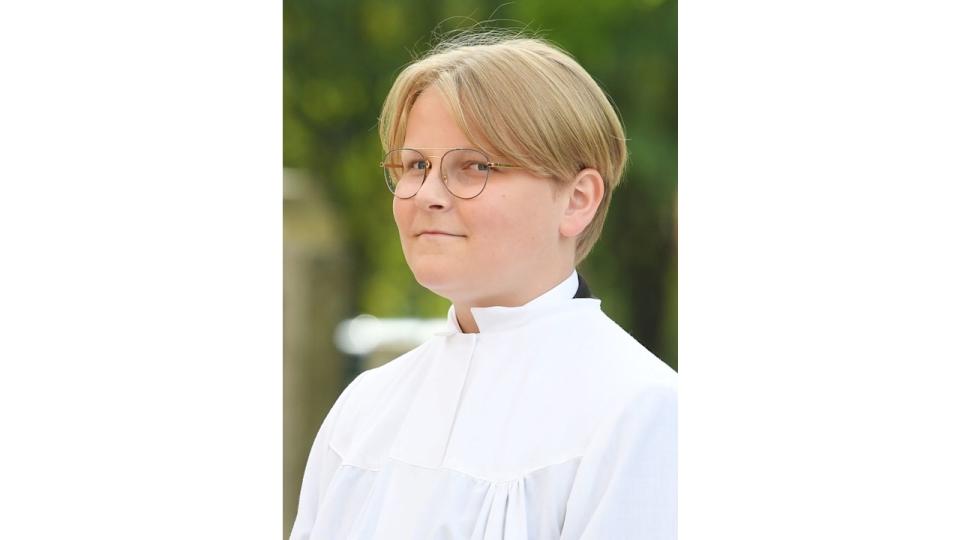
(350, 303)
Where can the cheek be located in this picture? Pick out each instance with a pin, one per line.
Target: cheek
(400, 214)
(401, 217)
(523, 216)
(505, 230)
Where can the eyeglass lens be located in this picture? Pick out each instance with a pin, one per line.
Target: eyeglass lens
(463, 171)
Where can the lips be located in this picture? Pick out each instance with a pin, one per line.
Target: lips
(437, 233)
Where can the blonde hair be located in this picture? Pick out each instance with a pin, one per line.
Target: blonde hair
(523, 99)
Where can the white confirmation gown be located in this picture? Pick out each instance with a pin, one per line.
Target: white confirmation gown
(551, 422)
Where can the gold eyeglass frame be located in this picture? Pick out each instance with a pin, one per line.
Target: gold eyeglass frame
(426, 170)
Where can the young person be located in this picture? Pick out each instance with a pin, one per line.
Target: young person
(533, 415)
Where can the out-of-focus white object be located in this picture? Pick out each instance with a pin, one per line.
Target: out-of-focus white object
(365, 334)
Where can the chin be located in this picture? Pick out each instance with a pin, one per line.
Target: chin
(439, 279)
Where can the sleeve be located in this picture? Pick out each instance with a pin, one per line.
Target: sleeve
(626, 484)
(321, 464)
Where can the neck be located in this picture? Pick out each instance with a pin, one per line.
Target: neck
(512, 298)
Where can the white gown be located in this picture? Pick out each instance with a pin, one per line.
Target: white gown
(551, 422)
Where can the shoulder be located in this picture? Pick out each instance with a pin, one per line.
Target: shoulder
(635, 360)
(637, 389)
(601, 371)
(613, 359)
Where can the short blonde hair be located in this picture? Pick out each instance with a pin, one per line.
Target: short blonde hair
(522, 99)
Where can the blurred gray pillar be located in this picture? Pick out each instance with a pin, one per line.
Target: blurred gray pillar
(315, 293)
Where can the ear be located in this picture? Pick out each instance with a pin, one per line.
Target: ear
(582, 198)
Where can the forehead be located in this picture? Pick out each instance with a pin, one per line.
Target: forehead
(430, 123)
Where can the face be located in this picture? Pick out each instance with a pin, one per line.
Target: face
(483, 251)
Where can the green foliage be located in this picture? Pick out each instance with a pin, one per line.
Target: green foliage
(340, 58)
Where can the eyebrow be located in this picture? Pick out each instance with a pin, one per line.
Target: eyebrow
(492, 162)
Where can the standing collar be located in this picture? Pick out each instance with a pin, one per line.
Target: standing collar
(500, 317)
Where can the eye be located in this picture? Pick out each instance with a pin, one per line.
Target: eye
(477, 166)
(418, 165)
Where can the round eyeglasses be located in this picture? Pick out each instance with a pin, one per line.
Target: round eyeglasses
(464, 171)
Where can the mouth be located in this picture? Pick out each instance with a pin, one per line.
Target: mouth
(437, 234)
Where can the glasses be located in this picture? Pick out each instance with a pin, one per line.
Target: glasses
(464, 171)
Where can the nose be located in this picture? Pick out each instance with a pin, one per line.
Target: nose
(433, 195)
